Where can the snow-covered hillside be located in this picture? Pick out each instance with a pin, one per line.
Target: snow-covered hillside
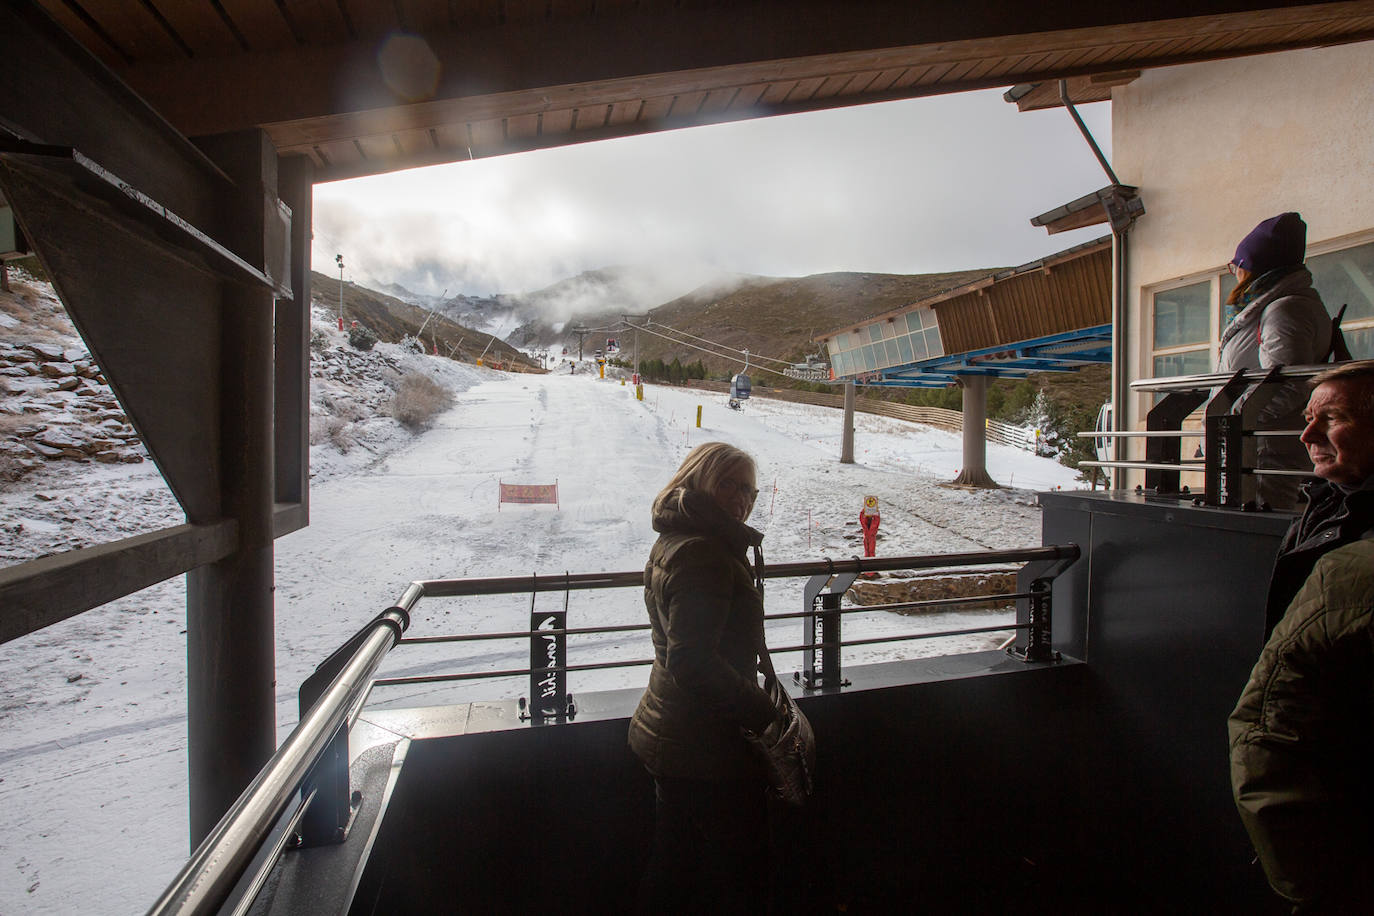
(93, 744)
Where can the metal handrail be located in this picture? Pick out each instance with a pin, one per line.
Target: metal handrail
(1217, 379)
(639, 627)
(1230, 403)
(505, 585)
(411, 680)
(209, 877)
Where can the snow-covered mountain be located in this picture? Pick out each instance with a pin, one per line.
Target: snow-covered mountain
(535, 318)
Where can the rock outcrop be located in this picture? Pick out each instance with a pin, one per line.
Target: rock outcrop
(57, 406)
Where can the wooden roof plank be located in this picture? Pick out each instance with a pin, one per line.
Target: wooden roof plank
(556, 122)
(625, 112)
(717, 101)
(422, 16)
(747, 97)
(777, 92)
(202, 28)
(487, 135)
(958, 72)
(371, 18)
(935, 74)
(97, 40)
(317, 22)
(136, 31)
(988, 66)
(802, 90)
(686, 104)
(564, 9)
(655, 109)
(260, 22)
(455, 137)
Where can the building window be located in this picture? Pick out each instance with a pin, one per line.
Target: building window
(1346, 277)
(1181, 315)
(1181, 318)
(1189, 320)
(907, 338)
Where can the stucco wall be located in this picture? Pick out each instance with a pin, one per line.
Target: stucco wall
(1217, 147)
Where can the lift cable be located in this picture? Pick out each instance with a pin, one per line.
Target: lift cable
(687, 343)
(752, 354)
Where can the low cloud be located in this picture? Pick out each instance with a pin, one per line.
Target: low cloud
(928, 185)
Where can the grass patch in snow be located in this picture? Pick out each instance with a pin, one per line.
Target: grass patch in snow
(417, 401)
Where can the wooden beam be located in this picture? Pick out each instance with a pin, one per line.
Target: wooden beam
(291, 354)
(340, 89)
(57, 92)
(42, 592)
(1096, 87)
(150, 318)
(230, 668)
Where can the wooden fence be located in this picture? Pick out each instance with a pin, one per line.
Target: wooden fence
(999, 432)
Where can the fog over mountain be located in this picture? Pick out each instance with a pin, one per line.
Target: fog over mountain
(918, 186)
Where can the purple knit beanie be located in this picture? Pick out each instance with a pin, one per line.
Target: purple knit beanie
(1280, 241)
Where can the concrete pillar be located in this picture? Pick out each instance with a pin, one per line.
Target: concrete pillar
(975, 472)
(847, 439)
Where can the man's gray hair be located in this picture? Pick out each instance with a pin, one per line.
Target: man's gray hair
(1359, 372)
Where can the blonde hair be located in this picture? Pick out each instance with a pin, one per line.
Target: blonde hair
(704, 468)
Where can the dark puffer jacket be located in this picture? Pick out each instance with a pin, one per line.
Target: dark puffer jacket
(1302, 736)
(1334, 516)
(707, 616)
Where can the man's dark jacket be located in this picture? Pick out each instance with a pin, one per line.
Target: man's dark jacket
(1333, 517)
(1302, 735)
(706, 609)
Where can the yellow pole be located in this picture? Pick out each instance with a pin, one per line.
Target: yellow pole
(639, 392)
(698, 416)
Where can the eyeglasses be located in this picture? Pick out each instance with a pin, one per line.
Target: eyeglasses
(1231, 268)
(739, 486)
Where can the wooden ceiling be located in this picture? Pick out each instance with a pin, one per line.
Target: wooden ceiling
(369, 86)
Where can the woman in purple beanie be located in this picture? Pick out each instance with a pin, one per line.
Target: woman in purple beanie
(1279, 320)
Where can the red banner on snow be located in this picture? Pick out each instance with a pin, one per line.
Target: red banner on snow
(528, 493)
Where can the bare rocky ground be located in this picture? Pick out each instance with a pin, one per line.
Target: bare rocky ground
(74, 472)
(898, 587)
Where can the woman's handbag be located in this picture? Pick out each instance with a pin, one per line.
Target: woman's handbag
(787, 748)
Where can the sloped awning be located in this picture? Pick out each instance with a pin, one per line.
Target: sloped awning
(1050, 315)
(1065, 352)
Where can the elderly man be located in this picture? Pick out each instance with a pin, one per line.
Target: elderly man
(1302, 735)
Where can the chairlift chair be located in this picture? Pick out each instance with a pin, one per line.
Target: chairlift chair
(740, 385)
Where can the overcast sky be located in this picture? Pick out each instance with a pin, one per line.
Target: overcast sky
(946, 183)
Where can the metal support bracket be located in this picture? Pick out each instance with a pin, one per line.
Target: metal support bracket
(549, 698)
(331, 810)
(1224, 445)
(1039, 646)
(1168, 414)
(821, 603)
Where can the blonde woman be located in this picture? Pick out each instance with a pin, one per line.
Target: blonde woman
(705, 603)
